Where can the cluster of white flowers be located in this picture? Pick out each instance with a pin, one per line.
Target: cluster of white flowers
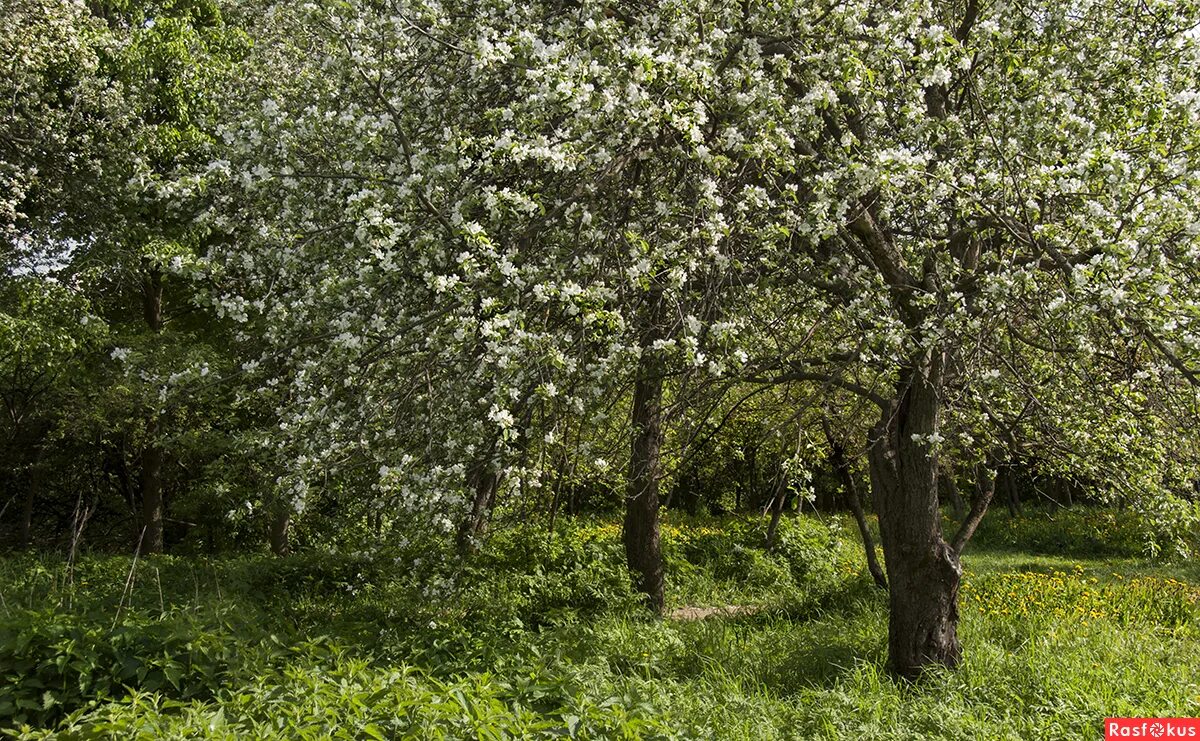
(445, 244)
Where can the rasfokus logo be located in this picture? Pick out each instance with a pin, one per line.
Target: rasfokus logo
(1164, 728)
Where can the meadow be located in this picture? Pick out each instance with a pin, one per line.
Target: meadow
(1065, 620)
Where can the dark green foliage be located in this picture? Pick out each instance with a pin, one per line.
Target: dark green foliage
(314, 575)
(54, 663)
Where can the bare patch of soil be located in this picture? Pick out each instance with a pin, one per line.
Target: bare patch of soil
(702, 613)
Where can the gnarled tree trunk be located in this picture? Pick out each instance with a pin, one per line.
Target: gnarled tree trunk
(922, 568)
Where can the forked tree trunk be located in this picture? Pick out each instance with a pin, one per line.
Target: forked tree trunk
(640, 531)
(152, 454)
(837, 456)
(922, 568)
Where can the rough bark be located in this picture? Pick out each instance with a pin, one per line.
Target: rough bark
(640, 531)
(923, 570)
(837, 456)
(152, 454)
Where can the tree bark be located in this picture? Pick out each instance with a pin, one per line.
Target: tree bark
(281, 522)
(152, 499)
(776, 503)
(640, 531)
(922, 568)
(152, 454)
(484, 482)
(837, 456)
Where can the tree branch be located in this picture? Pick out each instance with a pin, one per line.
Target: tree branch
(827, 379)
(985, 488)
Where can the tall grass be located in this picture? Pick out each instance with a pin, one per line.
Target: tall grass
(540, 637)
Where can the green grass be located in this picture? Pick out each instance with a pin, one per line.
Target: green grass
(540, 637)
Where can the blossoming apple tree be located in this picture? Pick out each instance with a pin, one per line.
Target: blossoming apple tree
(458, 224)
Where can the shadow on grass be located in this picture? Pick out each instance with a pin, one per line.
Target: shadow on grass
(791, 646)
(993, 560)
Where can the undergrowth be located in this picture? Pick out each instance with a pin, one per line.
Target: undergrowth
(540, 635)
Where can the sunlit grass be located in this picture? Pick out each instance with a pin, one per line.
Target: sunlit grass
(546, 640)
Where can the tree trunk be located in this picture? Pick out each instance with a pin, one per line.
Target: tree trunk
(640, 531)
(1008, 486)
(152, 454)
(281, 522)
(484, 482)
(640, 528)
(837, 456)
(776, 503)
(152, 500)
(922, 568)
